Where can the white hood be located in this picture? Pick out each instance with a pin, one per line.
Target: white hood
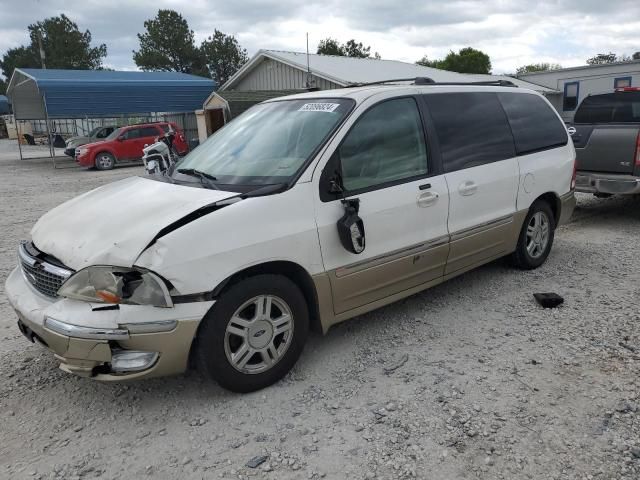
(113, 224)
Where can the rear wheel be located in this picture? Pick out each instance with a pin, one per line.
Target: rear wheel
(536, 237)
(254, 333)
(105, 161)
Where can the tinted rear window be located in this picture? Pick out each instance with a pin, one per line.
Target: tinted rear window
(472, 129)
(534, 124)
(618, 107)
(149, 132)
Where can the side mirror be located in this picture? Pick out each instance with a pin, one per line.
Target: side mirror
(351, 227)
(120, 139)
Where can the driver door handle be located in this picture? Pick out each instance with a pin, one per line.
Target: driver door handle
(468, 188)
(427, 199)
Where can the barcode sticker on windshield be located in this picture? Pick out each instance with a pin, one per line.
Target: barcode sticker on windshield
(319, 107)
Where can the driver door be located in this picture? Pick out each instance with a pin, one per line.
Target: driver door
(383, 161)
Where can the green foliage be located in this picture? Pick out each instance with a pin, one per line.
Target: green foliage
(3, 87)
(223, 56)
(467, 60)
(330, 46)
(356, 49)
(537, 67)
(64, 45)
(24, 57)
(168, 45)
(603, 58)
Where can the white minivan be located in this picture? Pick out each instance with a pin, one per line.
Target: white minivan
(303, 212)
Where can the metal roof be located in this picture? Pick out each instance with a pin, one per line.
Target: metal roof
(103, 93)
(4, 105)
(348, 70)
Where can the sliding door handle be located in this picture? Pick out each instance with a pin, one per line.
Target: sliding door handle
(467, 188)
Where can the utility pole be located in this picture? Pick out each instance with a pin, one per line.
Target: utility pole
(44, 66)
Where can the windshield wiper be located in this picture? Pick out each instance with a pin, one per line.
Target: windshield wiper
(205, 178)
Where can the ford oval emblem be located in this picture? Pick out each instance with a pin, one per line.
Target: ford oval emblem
(571, 130)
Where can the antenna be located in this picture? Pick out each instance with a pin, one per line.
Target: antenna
(309, 83)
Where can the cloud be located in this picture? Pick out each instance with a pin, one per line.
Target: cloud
(512, 32)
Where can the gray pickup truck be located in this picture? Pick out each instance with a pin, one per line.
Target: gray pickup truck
(606, 135)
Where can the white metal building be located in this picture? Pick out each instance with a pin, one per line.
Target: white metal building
(574, 84)
(273, 73)
(280, 70)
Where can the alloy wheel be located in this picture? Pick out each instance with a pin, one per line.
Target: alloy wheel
(258, 334)
(537, 234)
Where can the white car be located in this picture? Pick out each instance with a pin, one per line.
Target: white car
(303, 212)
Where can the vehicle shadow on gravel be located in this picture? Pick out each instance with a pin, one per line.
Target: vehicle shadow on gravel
(612, 210)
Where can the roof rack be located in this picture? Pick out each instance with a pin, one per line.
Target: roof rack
(430, 81)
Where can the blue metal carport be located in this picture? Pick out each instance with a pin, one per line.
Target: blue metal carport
(38, 94)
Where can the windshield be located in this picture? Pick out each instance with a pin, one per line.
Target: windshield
(269, 143)
(93, 132)
(115, 134)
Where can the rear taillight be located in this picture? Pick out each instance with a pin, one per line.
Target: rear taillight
(638, 151)
(575, 172)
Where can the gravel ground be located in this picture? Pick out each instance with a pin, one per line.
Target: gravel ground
(470, 379)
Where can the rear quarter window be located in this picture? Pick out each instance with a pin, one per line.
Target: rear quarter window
(471, 127)
(534, 123)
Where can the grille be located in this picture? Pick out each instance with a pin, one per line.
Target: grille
(45, 277)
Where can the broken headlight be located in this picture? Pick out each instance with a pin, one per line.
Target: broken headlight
(117, 285)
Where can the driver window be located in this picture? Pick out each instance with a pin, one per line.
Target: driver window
(386, 144)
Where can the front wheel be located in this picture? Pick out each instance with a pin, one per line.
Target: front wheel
(254, 333)
(536, 237)
(105, 161)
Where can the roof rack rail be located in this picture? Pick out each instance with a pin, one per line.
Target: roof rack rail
(430, 81)
(147, 123)
(415, 80)
(495, 83)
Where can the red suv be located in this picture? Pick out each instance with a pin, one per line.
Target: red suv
(126, 143)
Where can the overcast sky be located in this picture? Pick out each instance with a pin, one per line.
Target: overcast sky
(512, 32)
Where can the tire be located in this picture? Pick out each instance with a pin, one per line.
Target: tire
(532, 250)
(105, 161)
(235, 341)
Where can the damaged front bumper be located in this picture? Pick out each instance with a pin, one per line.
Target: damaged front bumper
(108, 343)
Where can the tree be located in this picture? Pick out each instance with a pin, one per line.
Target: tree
(537, 67)
(351, 48)
(636, 56)
(330, 46)
(24, 57)
(223, 56)
(168, 45)
(467, 60)
(603, 58)
(64, 46)
(425, 62)
(3, 87)
(357, 50)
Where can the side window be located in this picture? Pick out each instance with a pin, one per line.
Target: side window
(132, 134)
(471, 127)
(534, 124)
(386, 144)
(622, 82)
(102, 133)
(149, 132)
(570, 98)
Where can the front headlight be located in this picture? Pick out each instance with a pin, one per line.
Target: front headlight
(82, 150)
(117, 285)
